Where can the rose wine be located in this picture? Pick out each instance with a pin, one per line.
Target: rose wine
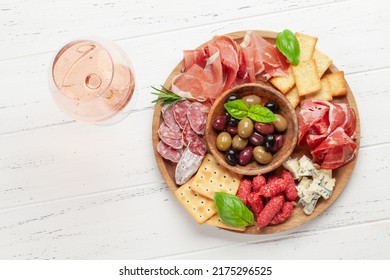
(92, 81)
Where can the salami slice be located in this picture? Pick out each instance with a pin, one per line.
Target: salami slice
(169, 118)
(180, 112)
(189, 134)
(168, 152)
(197, 116)
(197, 147)
(165, 132)
(187, 166)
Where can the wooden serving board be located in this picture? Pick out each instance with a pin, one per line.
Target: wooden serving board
(298, 217)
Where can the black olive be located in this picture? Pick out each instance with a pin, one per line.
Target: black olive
(231, 97)
(231, 121)
(231, 157)
(273, 106)
(269, 142)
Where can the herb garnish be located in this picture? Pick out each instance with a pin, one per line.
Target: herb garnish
(166, 96)
(288, 45)
(232, 210)
(239, 109)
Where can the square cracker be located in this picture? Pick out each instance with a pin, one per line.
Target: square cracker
(284, 83)
(323, 94)
(337, 83)
(212, 177)
(201, 208)
(322, 61)
(293, 97)
(306, 77)
(307, 45)
(217, 222)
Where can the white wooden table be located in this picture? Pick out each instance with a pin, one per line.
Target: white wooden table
(75, 191)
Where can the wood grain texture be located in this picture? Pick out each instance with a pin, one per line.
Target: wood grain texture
(111, 203)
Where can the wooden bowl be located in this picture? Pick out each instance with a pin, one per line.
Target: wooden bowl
(266, 93)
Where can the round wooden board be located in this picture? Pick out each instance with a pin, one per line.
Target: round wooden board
(298, 218)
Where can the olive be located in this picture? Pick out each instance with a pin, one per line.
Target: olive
(245, 127)
(272, 105)
(245, 155)
(280, 123)
(256, 139)
(278, 143)
(231, 121)
(239, 143)
(232, 130)
(252, 99)
(264, 128)
(224, 141)
(231, 157)
(269, 142)
(232, 97)
(261, 155)
(219, 123)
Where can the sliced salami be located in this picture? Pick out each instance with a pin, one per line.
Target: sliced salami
(187, 166)
(168, 152)
(197, 116)
(169, 118)
(197, 147)
(165, 132)
(180, 112)
(189, 134)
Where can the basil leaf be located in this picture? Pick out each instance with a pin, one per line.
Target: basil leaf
(261, 114)
(288, 45)
(232, 210)
(237, 108)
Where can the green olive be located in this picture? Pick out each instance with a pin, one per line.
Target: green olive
(252, 99)
(239, 143)
(224, 141)
(245, 127)
(280, 123)
(261, 155)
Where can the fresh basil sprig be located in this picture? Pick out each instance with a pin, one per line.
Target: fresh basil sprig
(232, 210)
(239, 109)
(288, 45)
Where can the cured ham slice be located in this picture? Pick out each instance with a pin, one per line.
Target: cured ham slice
(212, 80)
(349, 123)
(189, 84)
(197, 56)
(336, 150)
(229, 58)
(310, 113)
(262, 59)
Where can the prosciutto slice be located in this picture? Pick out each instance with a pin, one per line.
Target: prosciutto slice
(262, 59)
(336, 150)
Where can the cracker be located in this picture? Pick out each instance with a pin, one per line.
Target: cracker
(323, 94)
(293, 97)
(212, 177)
(201, 208)
(284, 83)
(337, 83)
(306, 77)
(217, 222)
(322, 61)
(307, 45)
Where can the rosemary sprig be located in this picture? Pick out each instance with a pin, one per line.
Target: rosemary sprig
(166, 96)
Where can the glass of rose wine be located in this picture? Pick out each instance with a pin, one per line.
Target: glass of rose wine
(92, 81)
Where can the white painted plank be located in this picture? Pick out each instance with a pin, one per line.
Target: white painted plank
(27, 29)
(148, 222)
(28, 104)
(370, 241)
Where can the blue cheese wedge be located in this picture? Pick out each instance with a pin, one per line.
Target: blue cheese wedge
(292, 165)
(314, 182)
(306, 167)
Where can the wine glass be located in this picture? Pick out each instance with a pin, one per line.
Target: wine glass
(92, 81)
